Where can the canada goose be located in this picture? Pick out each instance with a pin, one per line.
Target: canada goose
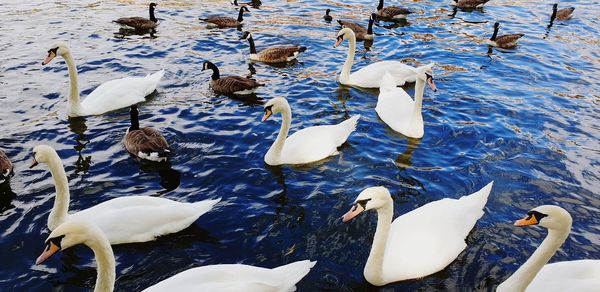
(140, 22)
(225, 21)
(563, 14)
(391, 12)
(506, 41)
(230, 84)
(145, 143)
(469, 4)
(360, 31)
(327, 17)
(6, 167)
(253, 3)
(277, 54)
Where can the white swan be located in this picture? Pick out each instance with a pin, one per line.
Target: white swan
(307, 145)
(398, 110)
(109, 96)
(234, 277)
(536, 275)
(370, 75)
(420, 242)
(124, 219)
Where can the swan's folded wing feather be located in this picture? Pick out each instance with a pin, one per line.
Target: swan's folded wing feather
(142, 218)
(370, 75)
(429, 238)
(120, 93)
(234, 277)
(580, 276)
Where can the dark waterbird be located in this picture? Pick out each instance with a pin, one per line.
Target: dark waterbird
(506, 41)
(140, 23)
(145, 143)
(230, 84)
(226, 21)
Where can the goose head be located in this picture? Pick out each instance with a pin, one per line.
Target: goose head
(372, 198)
(246, 35)
(548, 216)
(58, 49)
(273, 106)
(554, 7)
(425, 73)
(344, 34)
(42, 154)
(153, 5)
(66, 235)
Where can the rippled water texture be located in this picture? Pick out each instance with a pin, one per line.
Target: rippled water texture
(525, 118)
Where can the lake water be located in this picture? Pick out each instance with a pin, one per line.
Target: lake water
(525, 118)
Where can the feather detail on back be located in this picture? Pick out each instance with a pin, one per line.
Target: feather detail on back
(508, 41)
(470, 4)
(234, 84)
(137, 22)
(392, 12)
(565, 13)
(279, 54)
(222, 21)
(6, 167)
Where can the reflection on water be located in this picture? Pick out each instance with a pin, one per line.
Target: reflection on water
(404, 159)
(78, 127)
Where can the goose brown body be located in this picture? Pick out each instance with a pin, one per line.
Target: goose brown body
(470, 4)
(230, 84)
(225, 21)
(146, 143)
(391, 12)
(360, 31)
(275, 54)
(6, 167)
(562, 14)
(140, 22)
(506, 41)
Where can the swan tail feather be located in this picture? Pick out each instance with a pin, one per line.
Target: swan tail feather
(205, 206)
(348, 126)
(293, 273)
(473, 206)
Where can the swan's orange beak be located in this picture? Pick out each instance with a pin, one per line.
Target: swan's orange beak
(34, 163)
(354, 211)
(529, 220)
(268, 113)
(51, 249)
(431, 84)
(51, 55)
(338, 41)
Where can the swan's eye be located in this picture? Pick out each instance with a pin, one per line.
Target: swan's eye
(429, 76)
(56, 241)
(363, 203)
(269, 108)
(538, 216)
(53, 50)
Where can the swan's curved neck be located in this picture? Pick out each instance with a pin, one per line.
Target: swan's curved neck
(105, 261)
(345, 75)
(286, 123)
(74, 99)
(419, 90)
(527, 272)
(60, 209)
(152, 17)
(374, 268)
(251, 42)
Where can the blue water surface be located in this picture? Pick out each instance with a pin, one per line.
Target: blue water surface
(525, 118)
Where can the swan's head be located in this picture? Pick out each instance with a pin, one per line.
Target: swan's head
(370, 198)
(57, 49)
(273, 106)
(547, 216)
(388, 81)
(42, 154)
(344, 34)
(425, 73)
(68, 234)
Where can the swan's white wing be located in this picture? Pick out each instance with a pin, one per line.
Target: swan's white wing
(428, 239)
(370, 75)
(575, 276)
(395, 107)
(120, 93)
(236, 277)
(315, 143)
(143, 218)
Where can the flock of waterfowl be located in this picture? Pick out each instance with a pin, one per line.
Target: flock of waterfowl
(414, 245)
